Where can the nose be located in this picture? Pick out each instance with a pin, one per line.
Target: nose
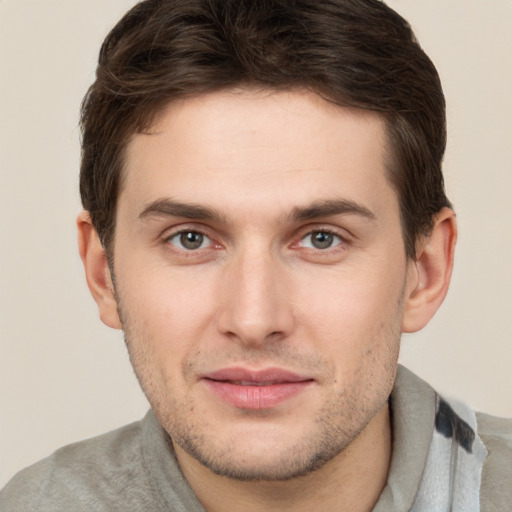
(256, 306)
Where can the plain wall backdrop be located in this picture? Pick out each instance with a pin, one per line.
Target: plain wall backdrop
(64, 376)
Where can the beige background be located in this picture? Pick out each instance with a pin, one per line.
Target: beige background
(64, 376)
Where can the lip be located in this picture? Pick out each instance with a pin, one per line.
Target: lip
(255, 389)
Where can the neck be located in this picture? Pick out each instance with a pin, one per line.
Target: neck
(354, 478)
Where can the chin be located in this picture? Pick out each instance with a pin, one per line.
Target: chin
(278, 460)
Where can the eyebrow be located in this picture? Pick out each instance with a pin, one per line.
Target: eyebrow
(330, 207)
(171, 208)
(325, 208)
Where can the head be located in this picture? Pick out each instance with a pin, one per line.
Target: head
(265, 216)
(164, 50)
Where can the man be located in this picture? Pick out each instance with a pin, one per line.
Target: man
(264, 215)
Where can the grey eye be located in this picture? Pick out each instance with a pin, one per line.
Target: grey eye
(321, 240)
(189, 240)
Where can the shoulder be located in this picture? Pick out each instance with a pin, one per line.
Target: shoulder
(496, 490)
(89, 475)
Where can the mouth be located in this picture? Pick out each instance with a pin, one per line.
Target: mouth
(256, 389)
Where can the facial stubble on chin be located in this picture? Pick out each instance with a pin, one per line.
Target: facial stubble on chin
(338, 423)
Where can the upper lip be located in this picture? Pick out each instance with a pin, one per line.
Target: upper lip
(247, 376)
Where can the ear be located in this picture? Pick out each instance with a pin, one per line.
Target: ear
(430, 273)
(97, 272)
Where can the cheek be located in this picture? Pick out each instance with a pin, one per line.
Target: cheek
(163, 321)
(354, 309)
(166, 310)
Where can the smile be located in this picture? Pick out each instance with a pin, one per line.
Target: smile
(256, 390)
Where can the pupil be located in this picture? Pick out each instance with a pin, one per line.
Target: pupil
(191, 240)
(322, 240)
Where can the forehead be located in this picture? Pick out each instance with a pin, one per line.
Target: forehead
(243, 148)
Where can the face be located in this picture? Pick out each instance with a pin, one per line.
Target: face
(260, 273)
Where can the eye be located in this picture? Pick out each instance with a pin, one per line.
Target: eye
(321, 240)
(189, 240)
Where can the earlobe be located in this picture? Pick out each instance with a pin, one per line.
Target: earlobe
(97, 271)
(430, 273)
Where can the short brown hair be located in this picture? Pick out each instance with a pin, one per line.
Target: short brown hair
(352, 52)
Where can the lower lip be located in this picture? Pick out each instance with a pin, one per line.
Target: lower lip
(256, 397)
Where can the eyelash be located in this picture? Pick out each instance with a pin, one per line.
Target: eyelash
(168, 239)
(329, 232)
(339, 246)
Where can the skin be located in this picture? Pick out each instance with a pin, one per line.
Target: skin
(300, 266)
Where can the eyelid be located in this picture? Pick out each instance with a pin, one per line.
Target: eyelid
(184, 227)
(346, 237)
(175, 231)
(175, 239)
(331, 233)
(329, 255)
(344, 234)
